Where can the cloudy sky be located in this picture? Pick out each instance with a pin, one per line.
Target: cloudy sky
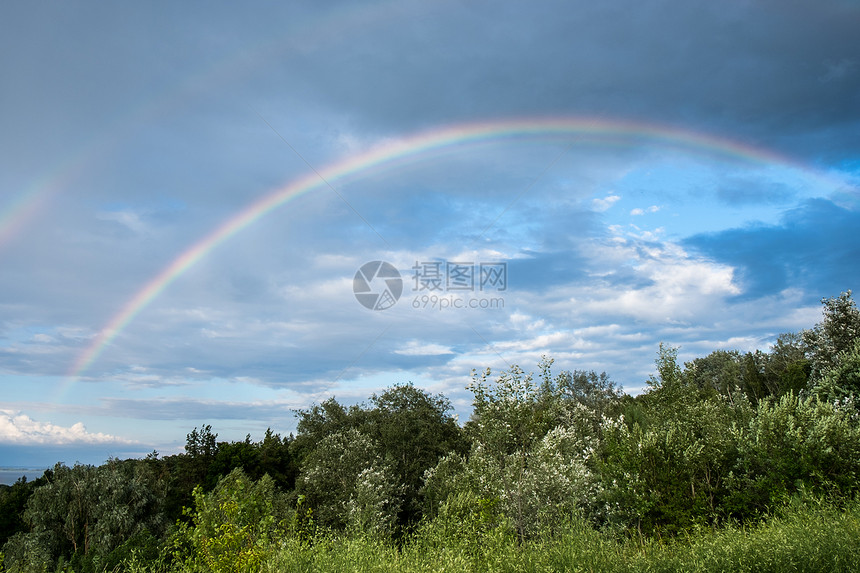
(188, 191)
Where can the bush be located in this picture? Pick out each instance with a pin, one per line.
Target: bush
(795, 444)
(234, 527)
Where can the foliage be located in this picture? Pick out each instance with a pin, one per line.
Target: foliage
(13, 500)
(201, 443)
(475, 526)
(531, 445)
(669, 469)
(599, 396)
(841, 383)
(346, 481)
(206, 461)
(729, 373)
(796, 444)
(232, 527)
(413, 429)
(402, 432)
(83, 513)
(786, 367)
(806, 534)
(322, 420)
(834, 336)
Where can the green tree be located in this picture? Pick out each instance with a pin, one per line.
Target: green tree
(596, 392)
(342, 475)
(795, 443)
(231, 455)
(834, 336)
(13, 500)
(729, 372)
(413, 429)
(531, 445)
(277, 460)
(323, 420)
(234, 527)
(841, 383)
(786, 366)
(668, 466)
(201, 448)
(85, 512)
(403, 432)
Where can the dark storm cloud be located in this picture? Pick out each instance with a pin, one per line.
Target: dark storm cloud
(769, 73)
(813, 248)
(772, 73)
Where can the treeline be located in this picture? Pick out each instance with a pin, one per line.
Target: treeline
(712, 444)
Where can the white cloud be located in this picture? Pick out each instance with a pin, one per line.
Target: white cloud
(678, 288)
(526, 322)
(18, 428)
(605, 203)
(416, 348)
(638, 211)
(128, 219)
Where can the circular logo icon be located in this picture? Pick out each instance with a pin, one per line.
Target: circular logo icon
(377, 285)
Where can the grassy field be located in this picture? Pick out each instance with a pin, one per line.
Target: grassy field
(802, 537)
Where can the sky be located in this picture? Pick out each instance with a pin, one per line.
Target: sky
(191, 193)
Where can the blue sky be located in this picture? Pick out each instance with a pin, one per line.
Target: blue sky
(131, 132)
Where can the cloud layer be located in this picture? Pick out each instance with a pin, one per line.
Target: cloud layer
(18, 428)
(133, 133)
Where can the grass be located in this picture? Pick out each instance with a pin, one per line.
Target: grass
(806, 536)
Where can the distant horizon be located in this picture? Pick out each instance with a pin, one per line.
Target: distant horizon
(8, 476)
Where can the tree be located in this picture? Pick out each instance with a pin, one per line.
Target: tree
(405, 430)
(670, 468)
(320, 421)
(13, 500)
(666, 462)
(232, 455)
(840, 385)
(85, 512)
(531, 446)
(728, 372)
(201, 443)
(276, 460)
(786, 366)
(413, 429)
(233, 527)
(595, 391)
(795, 443)
(669, 374)
(833, 336)
(345, 475)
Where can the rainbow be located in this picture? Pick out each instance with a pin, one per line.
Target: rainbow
(18, 212)
(408, 149)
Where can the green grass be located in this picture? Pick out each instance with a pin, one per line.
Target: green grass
(806, 536)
